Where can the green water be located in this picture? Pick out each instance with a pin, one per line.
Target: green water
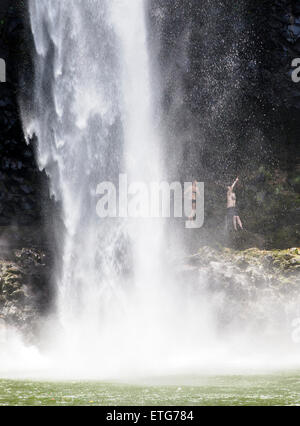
(277, 389)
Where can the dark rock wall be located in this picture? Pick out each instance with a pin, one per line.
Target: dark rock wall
(26, 290)
(22, 186)
(230, 108)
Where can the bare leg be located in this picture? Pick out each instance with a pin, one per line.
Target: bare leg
(192, 215)
(234, 222)
(239, 222)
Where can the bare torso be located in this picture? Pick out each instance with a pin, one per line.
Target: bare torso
(231, 199)
(231, 204)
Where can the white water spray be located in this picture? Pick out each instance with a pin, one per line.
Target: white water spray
(118, 312)
(94, 119)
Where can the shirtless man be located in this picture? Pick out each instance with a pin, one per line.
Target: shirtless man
(232, 211)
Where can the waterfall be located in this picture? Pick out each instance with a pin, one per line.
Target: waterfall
(94, 119)
(122, 307)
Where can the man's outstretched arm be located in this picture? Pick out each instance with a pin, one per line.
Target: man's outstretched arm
(234, 183)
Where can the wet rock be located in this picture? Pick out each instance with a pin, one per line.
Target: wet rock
(25, 291)
(253, 283)
(23, 187)
(260, 266)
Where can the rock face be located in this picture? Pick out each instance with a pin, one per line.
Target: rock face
(25, 273)
(275, 267)
(23, 188)
(257, 287)
(25, 294)
(231, 108)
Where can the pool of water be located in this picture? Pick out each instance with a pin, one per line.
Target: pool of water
(272, 389)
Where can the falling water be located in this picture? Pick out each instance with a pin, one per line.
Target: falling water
(120, 307)
(93, 120)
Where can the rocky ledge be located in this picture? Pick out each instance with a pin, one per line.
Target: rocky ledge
(24, 288)
(254, 268)
(276, 266)
(253, 288)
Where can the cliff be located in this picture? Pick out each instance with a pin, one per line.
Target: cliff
(228, 108)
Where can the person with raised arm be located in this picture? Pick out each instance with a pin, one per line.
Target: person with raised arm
(232, 211)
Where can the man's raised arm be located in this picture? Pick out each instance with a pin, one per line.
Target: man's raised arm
(234, 183)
